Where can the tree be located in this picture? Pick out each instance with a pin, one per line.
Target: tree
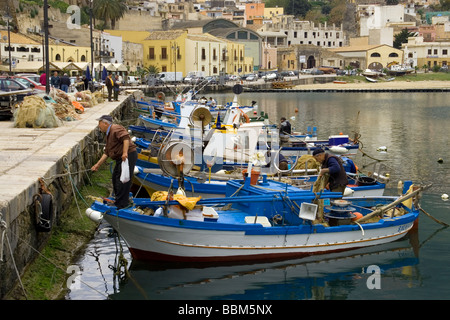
(298, 7)
(111, 10)
(402, 37)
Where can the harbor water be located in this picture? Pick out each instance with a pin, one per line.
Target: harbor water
(408, 131)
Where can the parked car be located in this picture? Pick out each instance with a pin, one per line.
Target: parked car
(252, 77)
(32, 76)
(270, 76)
(212, 80)
(7, 101)
(315, 71)
(133, 81)
(29, 83)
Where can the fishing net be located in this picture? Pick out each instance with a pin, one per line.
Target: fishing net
(307, 160)
(34, 112)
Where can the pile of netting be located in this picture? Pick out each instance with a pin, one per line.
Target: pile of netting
(49, 111)
(34, 112)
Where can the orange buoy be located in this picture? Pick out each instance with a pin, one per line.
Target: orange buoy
(358, 216)
(78, 107)
(296, 110)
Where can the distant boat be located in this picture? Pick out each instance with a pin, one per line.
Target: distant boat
(340, 81)
(371, 79)
(398, 70)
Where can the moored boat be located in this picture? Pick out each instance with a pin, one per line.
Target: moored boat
(270, 225)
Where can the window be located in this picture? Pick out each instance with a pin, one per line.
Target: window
(151, 53)
(58, 57)
(393, 55)
(163, 53)
(242, 35)
(444, 52)
(203, 54)
(429, 51)
(435, 52)
(375, 55)
(83, 58)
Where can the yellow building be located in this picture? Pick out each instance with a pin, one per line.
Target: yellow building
(166, 50)
(375, 57)
(68, 53)
(271, 12)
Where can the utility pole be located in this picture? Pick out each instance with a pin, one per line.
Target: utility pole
(47, 60)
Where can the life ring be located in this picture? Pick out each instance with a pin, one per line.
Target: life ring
(244, 115)
(43, 206)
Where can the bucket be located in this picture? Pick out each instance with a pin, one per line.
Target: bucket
(366, 181)
(253, 176)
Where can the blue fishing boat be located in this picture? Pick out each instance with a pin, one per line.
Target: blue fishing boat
(270, 225)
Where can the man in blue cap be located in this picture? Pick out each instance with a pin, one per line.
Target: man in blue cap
(333, 166)
(119, 147)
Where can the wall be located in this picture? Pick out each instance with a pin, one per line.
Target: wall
(16, 212)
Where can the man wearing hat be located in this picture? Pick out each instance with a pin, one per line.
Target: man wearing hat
(119, 147)
(333, 166)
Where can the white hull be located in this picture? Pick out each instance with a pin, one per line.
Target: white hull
(152, 240)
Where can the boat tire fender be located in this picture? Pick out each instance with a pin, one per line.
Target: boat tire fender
(43, 205)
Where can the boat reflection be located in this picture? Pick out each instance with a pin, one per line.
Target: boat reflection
(330, 276)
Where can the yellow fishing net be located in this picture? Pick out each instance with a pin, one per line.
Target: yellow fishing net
(33, 112)
(187, 202)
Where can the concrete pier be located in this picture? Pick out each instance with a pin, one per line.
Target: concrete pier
(30, 154)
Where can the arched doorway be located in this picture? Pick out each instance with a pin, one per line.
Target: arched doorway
(311, 62)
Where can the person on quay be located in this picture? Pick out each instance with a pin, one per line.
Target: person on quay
(116, 88)
(65, 83)
(119, 147)
(55, 81)
(109, 82)
(333, 166)
(43, 79)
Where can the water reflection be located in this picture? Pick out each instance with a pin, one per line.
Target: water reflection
(332, 276)
(413, 127)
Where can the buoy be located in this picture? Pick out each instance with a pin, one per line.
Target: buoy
(382, 149)
(94, 215)
(338, 150)
(444, 197)
(358, 216)
(440, 160)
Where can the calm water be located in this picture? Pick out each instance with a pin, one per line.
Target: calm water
(414, 127)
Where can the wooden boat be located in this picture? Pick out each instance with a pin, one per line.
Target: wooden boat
(272, 225)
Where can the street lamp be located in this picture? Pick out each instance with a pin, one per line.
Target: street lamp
(176, 48)
(8, 17)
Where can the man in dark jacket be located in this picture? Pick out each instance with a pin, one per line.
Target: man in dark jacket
(65, 82)
(109, 82)
(55, 81)
(333, 166)
(119, 147)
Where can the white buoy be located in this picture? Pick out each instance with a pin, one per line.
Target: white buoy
(382, 149)
(338, 150)
(444, 197)
(94, 215)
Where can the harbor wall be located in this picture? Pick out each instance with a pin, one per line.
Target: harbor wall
(60, 158)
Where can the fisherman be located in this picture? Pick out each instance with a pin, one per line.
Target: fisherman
(285, 127)
(109, 82)
(333, 166)
(119, 147)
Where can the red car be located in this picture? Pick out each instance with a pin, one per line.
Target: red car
(29, 82)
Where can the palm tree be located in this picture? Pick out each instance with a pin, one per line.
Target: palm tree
(109, 10)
